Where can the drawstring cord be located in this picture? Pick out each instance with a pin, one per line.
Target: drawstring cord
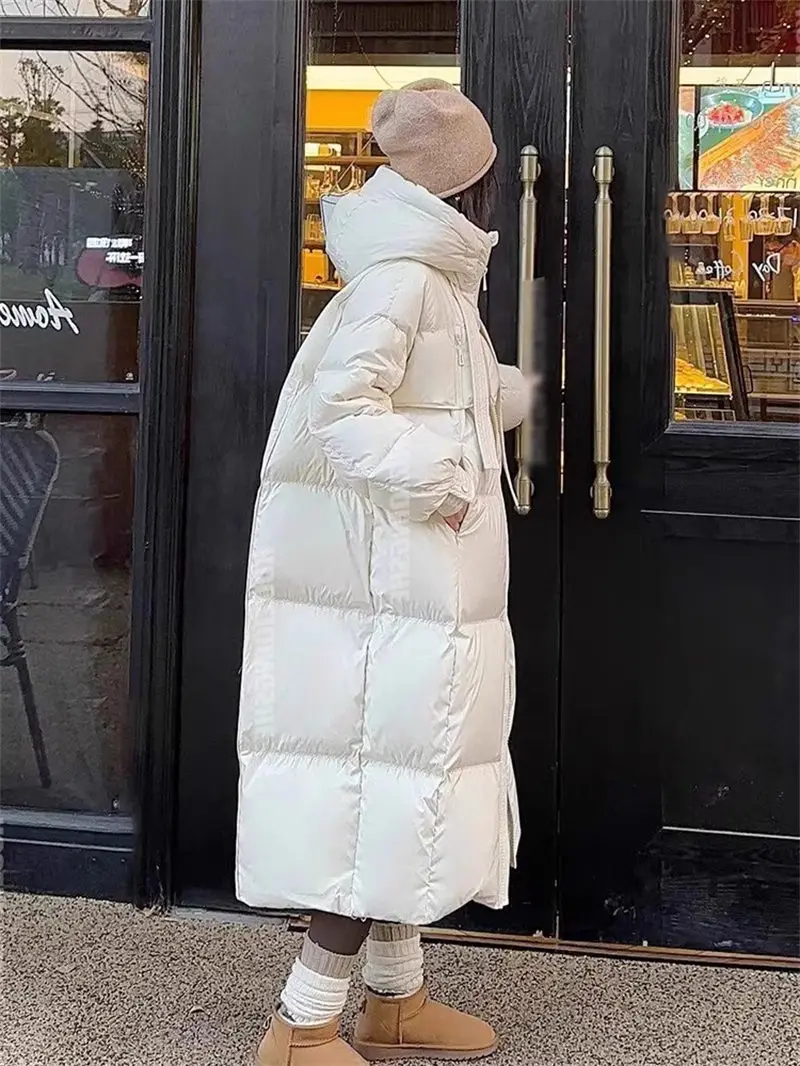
(481, 397)
(509, 479)
(499, 435)
(491, 439)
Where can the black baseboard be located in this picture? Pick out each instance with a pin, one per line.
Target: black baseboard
(720, 892)
(64, 854)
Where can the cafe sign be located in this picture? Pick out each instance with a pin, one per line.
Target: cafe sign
(48, 313)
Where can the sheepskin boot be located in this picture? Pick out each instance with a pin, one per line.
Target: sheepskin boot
(417, 1027)
(290, 1045)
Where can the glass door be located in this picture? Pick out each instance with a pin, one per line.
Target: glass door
(679, 730)
(304, 133)
(355, 51)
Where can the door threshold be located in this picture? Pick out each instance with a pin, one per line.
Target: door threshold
(628, 952)
(625, 952)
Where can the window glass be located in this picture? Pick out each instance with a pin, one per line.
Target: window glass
(72, 163)
(356, 51)
(733, 217)
(66, 507)
(76, 8)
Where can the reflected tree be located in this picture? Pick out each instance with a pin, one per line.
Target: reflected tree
(76, 8)
(12, 114)
(112, 88)
(72, 112)
(29, 135)
(42, 142)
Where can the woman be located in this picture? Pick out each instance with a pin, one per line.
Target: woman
(376, 789)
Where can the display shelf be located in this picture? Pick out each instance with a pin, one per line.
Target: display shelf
(709, 376)
(356, 164)
(786, 308)
(345, 160)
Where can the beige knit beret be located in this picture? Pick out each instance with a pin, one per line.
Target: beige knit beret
(434, 136)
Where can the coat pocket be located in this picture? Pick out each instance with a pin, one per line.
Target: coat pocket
(471, 519)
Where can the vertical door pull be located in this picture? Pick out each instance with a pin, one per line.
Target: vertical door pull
(526, 328)
(603, 175)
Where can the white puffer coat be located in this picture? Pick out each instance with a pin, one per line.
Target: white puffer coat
(378, 670)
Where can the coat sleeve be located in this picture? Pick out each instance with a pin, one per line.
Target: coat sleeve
(516, 396)
(400, 465)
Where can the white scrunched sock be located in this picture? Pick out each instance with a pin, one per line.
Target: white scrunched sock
(395, 965)
(316, 991)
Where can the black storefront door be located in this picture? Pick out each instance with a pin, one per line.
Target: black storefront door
(679, 669)
(655, 737)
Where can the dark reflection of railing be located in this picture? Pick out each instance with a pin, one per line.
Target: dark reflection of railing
(29, 465)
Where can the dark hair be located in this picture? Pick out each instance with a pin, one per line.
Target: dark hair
(477, 203)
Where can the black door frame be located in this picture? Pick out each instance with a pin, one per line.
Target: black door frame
(163, 455)
(245, 334)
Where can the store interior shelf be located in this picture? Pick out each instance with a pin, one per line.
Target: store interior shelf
(345, 160)
(351, 162)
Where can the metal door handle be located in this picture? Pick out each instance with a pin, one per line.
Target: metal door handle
(523, 451)
(603, 175)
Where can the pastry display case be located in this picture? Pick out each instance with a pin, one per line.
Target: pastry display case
(709, 376)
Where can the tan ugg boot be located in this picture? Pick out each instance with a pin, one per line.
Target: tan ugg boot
(290, 1045)
(416, 1027)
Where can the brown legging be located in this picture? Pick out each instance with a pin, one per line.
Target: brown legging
(342, 936)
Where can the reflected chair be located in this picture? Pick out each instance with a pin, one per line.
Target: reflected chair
(29, 465)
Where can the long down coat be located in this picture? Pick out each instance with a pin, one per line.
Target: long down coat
(378, 670)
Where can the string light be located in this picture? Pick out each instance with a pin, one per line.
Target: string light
(705, 20)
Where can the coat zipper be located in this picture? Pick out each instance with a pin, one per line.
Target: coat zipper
(459, 354)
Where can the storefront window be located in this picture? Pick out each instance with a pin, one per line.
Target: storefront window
(357, 51)
(66, 514)
(72, 161)
(733, 217)
(75, 8)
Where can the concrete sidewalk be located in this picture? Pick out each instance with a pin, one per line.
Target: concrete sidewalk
(96, 984)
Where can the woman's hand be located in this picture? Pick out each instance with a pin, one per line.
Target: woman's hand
(455, 520)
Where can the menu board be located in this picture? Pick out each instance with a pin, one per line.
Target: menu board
(749, 138)
(686, 127)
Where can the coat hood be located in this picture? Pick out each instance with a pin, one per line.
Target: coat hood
(390, 218)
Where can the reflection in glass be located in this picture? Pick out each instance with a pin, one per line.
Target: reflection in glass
(350, 66)
(72, 161)
(66, 506)
(733, 221)
(709, 376)
(75, 8)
